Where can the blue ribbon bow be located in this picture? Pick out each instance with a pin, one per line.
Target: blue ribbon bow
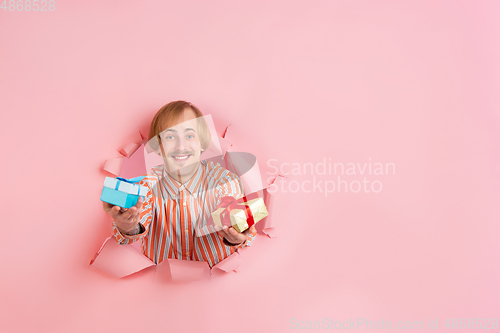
(130, 181)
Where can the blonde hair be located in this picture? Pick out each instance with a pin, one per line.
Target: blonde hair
(167, 117)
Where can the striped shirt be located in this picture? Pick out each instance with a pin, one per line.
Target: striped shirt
(174, 216)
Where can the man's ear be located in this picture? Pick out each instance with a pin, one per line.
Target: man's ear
(158, 148)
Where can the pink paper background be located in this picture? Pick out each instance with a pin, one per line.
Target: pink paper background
(414, 83)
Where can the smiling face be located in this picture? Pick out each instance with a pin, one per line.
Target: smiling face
(181, 147)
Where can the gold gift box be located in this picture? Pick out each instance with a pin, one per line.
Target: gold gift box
(238, 216)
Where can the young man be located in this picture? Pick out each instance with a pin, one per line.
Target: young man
(182, 193)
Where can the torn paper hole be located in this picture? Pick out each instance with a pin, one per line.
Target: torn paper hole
(138, 160)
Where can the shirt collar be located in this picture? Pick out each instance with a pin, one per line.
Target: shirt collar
(174, 187)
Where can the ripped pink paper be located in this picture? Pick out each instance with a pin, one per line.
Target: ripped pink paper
(113, 165)
(123, 260)
(229, 264)
(119, 260)
(129, 149)
(135, 165)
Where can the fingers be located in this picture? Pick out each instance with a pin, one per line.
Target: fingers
(120, 214)
(227, 234)
(233, 232)
(127, 217)
(139, 203)
(134, 211)
(112, 211)
(223, 231)
(107, 206)
(250, 231)
(234, 236)
(130, 213)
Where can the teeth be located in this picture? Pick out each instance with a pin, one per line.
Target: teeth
(181, 158)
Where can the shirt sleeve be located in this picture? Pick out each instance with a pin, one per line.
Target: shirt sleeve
(230, 185)
(250, 238)
(145, 218)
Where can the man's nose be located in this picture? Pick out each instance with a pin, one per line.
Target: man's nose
(180, 143)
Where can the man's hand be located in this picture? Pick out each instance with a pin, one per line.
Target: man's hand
(234, 237)
(127, 220)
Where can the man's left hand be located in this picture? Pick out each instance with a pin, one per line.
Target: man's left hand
(235, 237)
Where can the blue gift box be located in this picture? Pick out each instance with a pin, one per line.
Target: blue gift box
(122, 192)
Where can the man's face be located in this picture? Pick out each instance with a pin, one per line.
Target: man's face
(181, 147)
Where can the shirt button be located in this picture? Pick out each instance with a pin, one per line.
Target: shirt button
(184, 203)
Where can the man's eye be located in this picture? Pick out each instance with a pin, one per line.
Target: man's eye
(190, 136)
(170, 137)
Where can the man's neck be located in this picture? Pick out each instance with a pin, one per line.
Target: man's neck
(182, 179)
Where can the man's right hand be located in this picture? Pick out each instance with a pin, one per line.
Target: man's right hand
(126, 219)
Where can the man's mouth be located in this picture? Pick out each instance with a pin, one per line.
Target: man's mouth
(180, 157)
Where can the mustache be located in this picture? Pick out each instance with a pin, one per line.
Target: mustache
(184, 152)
